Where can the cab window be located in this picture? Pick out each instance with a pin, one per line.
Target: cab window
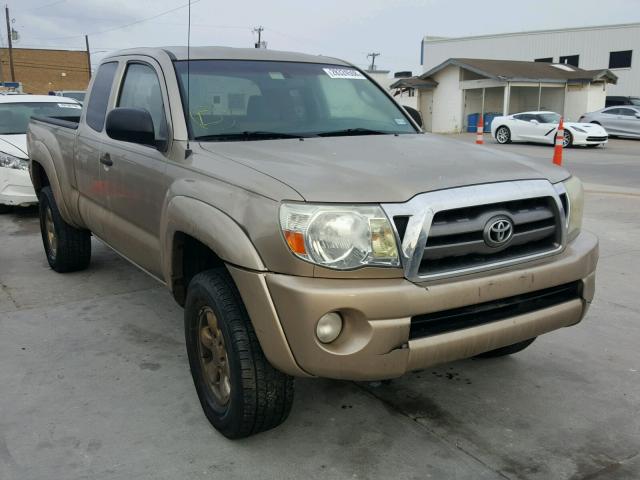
(141, 89)
(99, 97)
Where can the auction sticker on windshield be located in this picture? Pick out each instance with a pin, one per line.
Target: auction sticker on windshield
(348, 73)
(70, 105)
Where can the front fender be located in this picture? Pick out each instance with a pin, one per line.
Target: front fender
(210, 226)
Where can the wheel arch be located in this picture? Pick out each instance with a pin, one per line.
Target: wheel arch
(43, 173)
(197, 237)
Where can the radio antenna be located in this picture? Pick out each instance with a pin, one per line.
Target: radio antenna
(188, 116)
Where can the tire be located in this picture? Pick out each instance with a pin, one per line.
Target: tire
(5, 209)
(241, 393)
(508, 350)
(503, 135)
(567, 141)
(68, 249)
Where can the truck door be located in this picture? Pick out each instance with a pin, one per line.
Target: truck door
(93, 199)
(136, 173)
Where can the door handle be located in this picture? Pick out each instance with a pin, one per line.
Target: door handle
(105, 159)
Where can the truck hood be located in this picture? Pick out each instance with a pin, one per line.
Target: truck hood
(380, 168)
(15, 145)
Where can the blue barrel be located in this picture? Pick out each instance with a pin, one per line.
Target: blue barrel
(472, 122)
(488, 118)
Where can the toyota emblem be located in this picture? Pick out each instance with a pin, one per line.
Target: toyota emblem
(498, 231)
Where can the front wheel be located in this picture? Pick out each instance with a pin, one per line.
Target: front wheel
(68, 249)
(567, 140)
(508, 350)
(503, 135)
(241, 393)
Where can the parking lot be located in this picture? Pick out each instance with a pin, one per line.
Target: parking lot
(95, 383)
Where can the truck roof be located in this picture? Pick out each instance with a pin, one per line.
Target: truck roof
(229, 53)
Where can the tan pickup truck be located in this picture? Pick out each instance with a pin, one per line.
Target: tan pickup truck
(306, 223)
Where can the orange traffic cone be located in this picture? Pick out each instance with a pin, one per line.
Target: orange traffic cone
(557, 150)
(480, 132)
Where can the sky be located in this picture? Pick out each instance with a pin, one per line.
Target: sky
(348, 29)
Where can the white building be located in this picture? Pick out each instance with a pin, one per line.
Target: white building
(455, 92)
(616, 47)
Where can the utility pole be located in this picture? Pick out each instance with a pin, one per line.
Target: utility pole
(86, 42)
(373, 61)
(13, 73)
(259, 31)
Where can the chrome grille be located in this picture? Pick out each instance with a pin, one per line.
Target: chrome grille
(441, 232)
(456, 236)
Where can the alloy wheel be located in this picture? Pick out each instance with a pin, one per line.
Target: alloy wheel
(50, 230)
(502, 135)
(214, 360)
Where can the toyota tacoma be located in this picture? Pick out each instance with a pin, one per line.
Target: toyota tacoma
(306, 223)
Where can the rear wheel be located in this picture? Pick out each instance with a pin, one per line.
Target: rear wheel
(508, 350)
(503, 135)
(241, 393)
(68, 249)
(5, 208)
(567, 140)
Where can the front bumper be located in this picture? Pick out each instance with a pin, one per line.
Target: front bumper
(590, 138)
(16, 188)
(375, 342)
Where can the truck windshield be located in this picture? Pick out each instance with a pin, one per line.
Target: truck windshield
(14, 117)
(233, 100)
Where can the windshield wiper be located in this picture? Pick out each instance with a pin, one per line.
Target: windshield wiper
(354, 131)
(256, 135)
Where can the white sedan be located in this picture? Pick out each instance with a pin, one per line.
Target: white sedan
(541, 127)
(15, 111)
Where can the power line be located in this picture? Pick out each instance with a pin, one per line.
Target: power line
(100, 32)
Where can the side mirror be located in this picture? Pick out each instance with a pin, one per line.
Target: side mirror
(414, 114)
(133, 125)
(534, 121)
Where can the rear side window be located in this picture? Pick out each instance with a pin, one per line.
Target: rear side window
(612, 111)
(626, 111)
(99, 98)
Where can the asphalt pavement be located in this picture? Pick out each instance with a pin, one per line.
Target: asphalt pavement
(95, 384)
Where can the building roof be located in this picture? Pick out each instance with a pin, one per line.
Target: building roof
(435, 39)
(230, 53)
(520, 71)
(414, 82)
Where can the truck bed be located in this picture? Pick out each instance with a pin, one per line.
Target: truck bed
(59, 122)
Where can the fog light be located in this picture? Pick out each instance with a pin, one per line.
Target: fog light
(329, 327)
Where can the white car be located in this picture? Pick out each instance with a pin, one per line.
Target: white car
(15, 111)
(541, 127)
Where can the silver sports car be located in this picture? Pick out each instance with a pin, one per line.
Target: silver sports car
(622, 121)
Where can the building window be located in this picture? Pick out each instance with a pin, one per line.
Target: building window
(544, 60)
(620, 59)
(570, 60)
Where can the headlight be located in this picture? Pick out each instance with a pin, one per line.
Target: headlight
(578, 129)
(9, 161)
(575, 195)
(339, 237)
